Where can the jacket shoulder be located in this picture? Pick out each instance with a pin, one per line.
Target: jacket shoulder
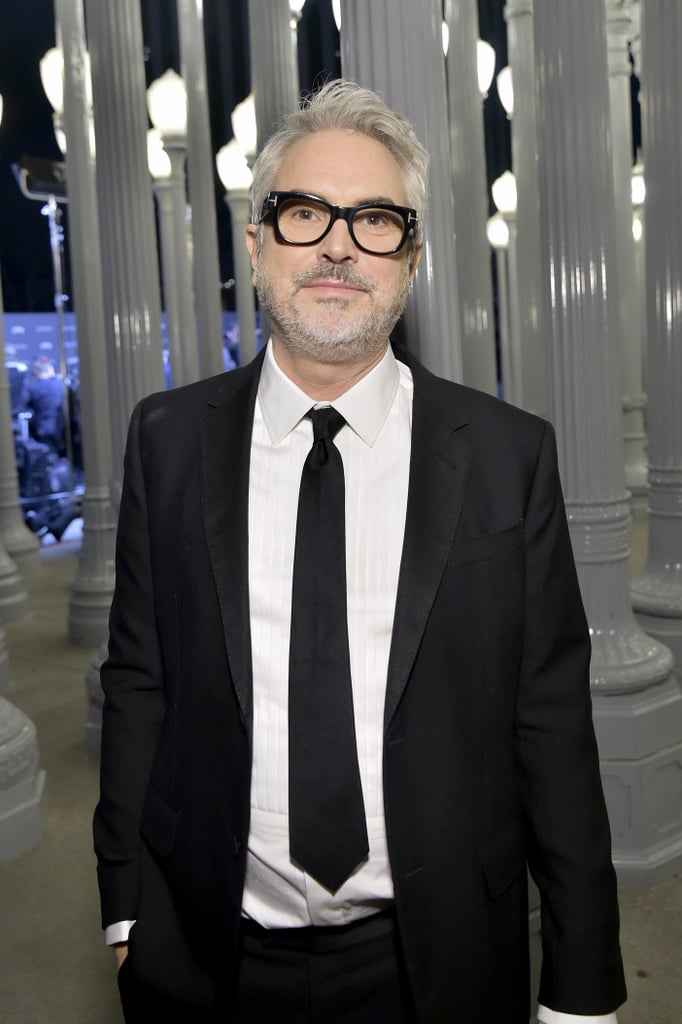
(186, 404)
(485, 416)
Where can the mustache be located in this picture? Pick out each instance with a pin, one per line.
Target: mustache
(336, 272)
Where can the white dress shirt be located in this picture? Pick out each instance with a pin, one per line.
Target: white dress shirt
(375, 447)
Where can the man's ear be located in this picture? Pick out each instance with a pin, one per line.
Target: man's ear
(415, 257)
(251, 239)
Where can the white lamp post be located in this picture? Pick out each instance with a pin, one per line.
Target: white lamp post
(504, 193)
(167, 106)
(530, 269)
(497, 232)
(465, 78)
(201, 180)
(296, 7)
(505, 90)
(638, 191)
(638, 188)
(19, 542)
(52, 78)
(505, 199)
(234, 172)
(160, 166)
(244, 129)
(657, 590)
(273, 49)
(18, 546)
(485, 60)
(161, 170)
(93, 582)
(23, 781)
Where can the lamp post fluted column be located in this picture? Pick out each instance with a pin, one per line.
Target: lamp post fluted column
(181, 325)
(202, 189)
(532, 392)
(657, 592)
(93, 583)
(21, 545)
(637, 706)
(504, 192)
(174, 340)
(274, 71)
(236, 177)
(513, 382)
(15, 537)
(13, 597)
(618, 29)
(638, 234)
(128, 233)
(22, 781)
(395, 47)
(238, 201)
(499, 237)
(274, 81)
(22, 812)
(465, 114)
(132, 302)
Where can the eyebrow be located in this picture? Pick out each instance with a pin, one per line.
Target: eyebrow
(369, 201)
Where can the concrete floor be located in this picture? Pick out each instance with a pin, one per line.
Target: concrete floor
(55, 968)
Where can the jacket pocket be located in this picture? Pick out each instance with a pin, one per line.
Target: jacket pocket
(486, 546)
(504, 858)
(158, 823)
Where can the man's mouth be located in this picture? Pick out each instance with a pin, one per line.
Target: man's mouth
(338, 280)
(334, 286)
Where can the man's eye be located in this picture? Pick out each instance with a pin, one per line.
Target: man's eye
(378, 221)
(303, 213)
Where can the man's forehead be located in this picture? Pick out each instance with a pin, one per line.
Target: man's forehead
(329, 162)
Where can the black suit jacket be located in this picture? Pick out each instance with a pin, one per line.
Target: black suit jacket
(490, 762)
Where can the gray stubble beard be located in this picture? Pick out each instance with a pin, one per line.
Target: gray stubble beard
(360, 339)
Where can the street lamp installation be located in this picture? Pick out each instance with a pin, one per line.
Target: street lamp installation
(167, 106)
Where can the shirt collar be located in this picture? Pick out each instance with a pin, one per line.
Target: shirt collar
(364, 407)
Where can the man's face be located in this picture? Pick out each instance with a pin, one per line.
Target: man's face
(330, 301)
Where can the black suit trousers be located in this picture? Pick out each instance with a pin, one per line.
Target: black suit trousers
(299, 976)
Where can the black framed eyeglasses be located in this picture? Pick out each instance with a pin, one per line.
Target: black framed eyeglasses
(301, 219)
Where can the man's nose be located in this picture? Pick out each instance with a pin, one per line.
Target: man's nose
(337, 245)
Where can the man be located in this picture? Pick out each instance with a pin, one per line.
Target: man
(44, 397)
(469, 751)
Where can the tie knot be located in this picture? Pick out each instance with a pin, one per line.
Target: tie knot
(326, 422)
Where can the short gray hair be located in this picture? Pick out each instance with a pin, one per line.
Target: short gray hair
(343, 105)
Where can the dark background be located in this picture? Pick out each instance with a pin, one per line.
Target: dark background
(27, 31)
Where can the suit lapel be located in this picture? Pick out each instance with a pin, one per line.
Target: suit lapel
(438, 466)
(225, 435)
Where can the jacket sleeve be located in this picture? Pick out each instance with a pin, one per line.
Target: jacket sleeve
(563, 803)
(132, 681)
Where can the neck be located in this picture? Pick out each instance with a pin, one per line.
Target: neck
(323, 382)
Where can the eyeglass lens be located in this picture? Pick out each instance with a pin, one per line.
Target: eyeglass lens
(305, 221)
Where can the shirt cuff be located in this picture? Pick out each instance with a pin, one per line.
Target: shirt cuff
(117, 932)
(556, 1017)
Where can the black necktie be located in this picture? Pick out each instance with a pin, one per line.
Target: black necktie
(327, 827)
